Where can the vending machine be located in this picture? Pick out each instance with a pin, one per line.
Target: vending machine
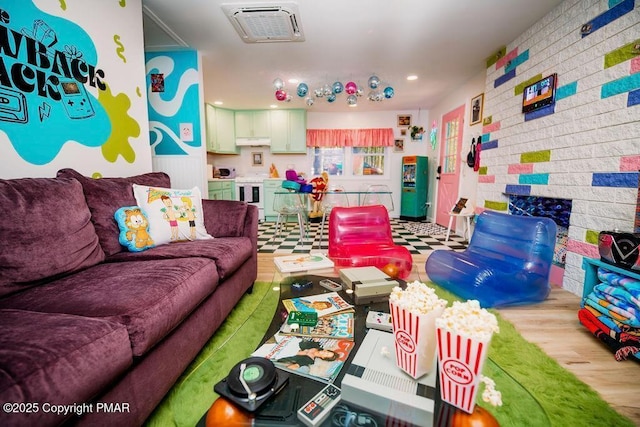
(413, 201)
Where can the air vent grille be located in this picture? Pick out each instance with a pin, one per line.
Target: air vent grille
(260, 23)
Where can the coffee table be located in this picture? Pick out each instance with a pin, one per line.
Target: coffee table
(281, 409)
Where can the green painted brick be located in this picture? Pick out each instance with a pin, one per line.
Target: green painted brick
(591, 236)
(622, 54)
(496, 206)
(482, 170)
(536, 156)
(520, 88)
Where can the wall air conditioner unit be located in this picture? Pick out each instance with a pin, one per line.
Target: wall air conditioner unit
(262, 22)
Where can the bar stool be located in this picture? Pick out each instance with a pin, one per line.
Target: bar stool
(289, 204)
(378, 194)
(334, 197)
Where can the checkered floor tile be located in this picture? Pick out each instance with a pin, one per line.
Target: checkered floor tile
(413, 235)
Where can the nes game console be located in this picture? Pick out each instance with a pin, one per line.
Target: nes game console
(369, 284)
(374, 381)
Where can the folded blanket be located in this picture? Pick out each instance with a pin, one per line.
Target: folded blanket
(610, 306)
(631, 287)
(622, 349)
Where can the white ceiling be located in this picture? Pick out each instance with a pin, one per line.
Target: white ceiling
(443, 42)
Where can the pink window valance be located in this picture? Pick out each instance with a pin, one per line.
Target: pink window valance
(377, 137)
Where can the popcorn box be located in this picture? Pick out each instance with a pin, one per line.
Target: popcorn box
(415, 339)
(460, 360)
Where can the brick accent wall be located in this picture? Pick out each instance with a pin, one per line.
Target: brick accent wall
(584, 148)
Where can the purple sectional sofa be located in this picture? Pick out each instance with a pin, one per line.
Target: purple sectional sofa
(93, 330)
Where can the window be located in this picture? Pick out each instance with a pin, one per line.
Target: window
(359, 160)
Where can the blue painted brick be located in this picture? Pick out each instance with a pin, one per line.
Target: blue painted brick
(544, 111)
(633, 98)
(518, 60)
(534, 178)
(611, 15)
(622, 85)
(489, 145)
(504, 78)
(566, 90)
(615, 179)
(522, 190)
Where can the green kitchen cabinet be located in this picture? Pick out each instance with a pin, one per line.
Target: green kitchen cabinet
(253, 124)
(288, 131)
(221, 138)
(271, 185)
(223, 189)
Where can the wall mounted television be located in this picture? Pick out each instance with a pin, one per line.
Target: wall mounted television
(539, 94)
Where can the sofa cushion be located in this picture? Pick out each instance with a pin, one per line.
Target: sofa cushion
(58, 359)
(46, 231)
(149, 297)
(174, 215)
(224, 218)
(229, 253)
(106, 195)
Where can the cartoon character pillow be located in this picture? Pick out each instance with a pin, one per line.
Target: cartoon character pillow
(175, 215)
(134, 229)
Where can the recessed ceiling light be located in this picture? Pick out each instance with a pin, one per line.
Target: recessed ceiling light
(412, 77)
(293, 81)
(218, 102)
(273, 106)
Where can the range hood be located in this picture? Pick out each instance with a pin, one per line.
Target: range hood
(252, 142)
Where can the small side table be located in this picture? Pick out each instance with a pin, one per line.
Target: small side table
(467, 224)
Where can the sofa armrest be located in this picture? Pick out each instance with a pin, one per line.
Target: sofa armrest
(230, 218)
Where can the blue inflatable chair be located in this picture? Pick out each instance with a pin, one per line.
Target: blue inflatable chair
(507, 262)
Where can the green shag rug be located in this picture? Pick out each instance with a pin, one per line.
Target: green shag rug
(565, 399)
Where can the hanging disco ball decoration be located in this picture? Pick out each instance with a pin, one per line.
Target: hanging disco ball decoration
(388, 92)
(350, 88)
(352, 100)
(281, 95)
(278, 84)
(331, 97)
(309, 101)
(303, 90)
(337, 88)
(327, 90)
(374, 82)
(319, 93)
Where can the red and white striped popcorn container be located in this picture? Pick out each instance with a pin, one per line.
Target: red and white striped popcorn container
(460, 361)
(415, 339)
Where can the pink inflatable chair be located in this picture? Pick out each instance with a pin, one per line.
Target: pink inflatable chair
(361, 236)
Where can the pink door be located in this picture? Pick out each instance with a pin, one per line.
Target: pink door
(449, 169)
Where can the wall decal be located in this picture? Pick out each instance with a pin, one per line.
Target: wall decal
(118, 145)
(157, 82)
(518, 60)
(120, 49)
(622, 54)
(48, 74)
(496, 56)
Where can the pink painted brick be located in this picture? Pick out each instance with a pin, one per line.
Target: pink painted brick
(487, 179)
(630, 164)
(582, 248)
(520, 168)
(491, 128)
(508, 57)
(635, 65)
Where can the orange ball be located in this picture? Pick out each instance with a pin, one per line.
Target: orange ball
(479, 418)
(225, 413)
(391, 270)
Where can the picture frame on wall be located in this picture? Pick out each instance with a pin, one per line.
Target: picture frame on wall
(256, 159)
(398, 145)
(404, 120)
(477, 104)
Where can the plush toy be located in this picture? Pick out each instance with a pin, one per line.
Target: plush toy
(134, 229)
(319, 186)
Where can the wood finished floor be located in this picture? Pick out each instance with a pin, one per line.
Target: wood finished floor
(553, 325)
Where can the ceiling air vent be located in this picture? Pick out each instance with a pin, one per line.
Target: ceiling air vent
(261, 23)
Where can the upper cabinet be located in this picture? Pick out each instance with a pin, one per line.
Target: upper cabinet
(252, 124)
(288, 131)
(221, 137)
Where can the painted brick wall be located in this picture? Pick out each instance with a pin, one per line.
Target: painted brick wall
(586, 147)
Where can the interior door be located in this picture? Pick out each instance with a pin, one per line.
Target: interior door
(449, 169)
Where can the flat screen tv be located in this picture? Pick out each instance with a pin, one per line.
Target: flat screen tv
(539, 94)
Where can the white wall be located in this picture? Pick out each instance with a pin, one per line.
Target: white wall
(592, 141)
